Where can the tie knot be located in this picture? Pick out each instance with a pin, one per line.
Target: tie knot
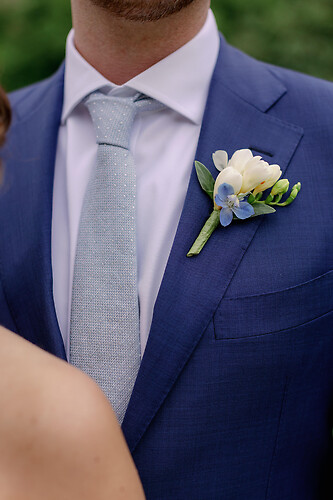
(113, 116)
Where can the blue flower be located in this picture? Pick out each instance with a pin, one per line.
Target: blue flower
(230, 204)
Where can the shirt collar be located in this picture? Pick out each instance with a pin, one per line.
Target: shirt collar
(180, 81)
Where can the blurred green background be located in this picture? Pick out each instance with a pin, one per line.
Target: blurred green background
(293, 33)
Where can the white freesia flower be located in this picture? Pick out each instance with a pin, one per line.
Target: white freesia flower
(253, 172)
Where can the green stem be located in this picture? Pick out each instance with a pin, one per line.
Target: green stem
(263, 202)
(269, 199)
(251, 199)
(205, 233)
(281, 204)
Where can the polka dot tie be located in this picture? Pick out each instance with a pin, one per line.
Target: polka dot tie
(104, 333)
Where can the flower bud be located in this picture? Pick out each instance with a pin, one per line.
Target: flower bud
(297, 187)
(294, 192)
(280, 187)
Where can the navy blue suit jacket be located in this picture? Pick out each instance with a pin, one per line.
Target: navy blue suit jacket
(234, 396)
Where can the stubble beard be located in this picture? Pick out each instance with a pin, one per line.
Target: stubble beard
(142, 10)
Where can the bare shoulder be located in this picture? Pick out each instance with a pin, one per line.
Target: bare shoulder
(59, 437)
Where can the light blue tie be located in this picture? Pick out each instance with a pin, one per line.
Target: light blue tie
(104, 334)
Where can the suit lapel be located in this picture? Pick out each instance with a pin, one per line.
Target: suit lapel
(25, 215)
(242, 90)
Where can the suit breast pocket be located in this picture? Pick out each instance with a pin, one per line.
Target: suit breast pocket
(263, 314)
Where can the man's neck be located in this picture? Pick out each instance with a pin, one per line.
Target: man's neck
(120, 49)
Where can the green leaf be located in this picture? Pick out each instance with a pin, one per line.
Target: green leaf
(260, 208)
(205, 178)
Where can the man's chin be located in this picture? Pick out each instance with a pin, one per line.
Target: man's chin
(142, 10)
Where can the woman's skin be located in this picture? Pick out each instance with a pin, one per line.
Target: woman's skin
(59, 438)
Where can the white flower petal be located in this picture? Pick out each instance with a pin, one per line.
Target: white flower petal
(254, 161)
(274, 176)
(230, 176)
(256, 172)
(220, 159)
(240, 158)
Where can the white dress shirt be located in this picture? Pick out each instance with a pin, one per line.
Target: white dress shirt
(163, 145)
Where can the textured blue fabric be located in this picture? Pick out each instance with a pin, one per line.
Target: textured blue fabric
(234, 396)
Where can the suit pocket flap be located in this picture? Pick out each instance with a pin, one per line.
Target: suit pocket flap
(272, 312)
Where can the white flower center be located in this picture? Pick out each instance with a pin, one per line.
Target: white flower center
(232, 201)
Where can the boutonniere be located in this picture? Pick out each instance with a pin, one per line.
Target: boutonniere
(238, 189)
